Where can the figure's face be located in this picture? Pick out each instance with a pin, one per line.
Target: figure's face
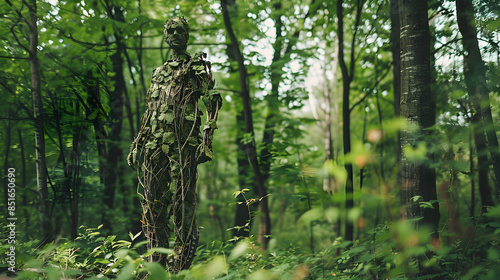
(176, 33)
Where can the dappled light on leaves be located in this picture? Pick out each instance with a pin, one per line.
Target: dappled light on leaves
(358, 139)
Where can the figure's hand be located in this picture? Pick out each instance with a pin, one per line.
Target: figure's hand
(132, 155)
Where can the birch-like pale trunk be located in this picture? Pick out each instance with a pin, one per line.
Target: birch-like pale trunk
(36, 93)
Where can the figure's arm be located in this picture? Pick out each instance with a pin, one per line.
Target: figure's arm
(138, 141)
(213, 102)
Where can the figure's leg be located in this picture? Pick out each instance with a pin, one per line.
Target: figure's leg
(185, 201)
(156, 204)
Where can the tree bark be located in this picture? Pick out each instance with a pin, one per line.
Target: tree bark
(347, 78)
(417, 178)
(114, 151)
(396, 68)
(396, 49)
(482, 163)
(243, 217)
(27, 218)
(8, 140)
(36, 92)
(265, 221)
(475, 79)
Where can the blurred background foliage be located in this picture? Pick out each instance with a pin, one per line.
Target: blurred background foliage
(95, 64)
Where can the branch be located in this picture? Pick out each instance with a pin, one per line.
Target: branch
(353, 43)
(18, 12)
(371, 90)
(13, 57)
(19, 42)
(340, 19)
(456, 39)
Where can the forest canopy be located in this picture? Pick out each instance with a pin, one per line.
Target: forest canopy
(358, 138)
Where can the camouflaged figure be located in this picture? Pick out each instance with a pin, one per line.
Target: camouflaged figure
(169, 147)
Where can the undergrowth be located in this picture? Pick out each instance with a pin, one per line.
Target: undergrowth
(389, 251)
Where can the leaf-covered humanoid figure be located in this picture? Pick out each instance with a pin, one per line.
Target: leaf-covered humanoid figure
(170, 145)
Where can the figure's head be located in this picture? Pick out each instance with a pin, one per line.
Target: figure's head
(176, 33)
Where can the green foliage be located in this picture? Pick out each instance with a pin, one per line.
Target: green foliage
(388, 251)
(77, 40)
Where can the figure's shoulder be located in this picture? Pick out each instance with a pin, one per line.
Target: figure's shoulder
(200, 63)
(158, 70)
(200, 57)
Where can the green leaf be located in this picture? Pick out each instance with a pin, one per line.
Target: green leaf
(493, 25)
(168, 138)
(127, 272)
(156, 271)
(314, 214)
(239, 250)
(167, 116)
(193, 141)
(493, 254)
(416, 198)
(158, 250)
(216, 267)
(165, 148)
(151, 144)
(190, 117)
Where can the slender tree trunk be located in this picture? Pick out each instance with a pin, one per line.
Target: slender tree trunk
(243, 217)
(472, 178)
(115, 153)
(74, 191)
(396, 49)
(417, 178)
(68, 183)
(347, 78)
(396, 68)
(36, 92)
(329, 182)
(8, 140)
(482, 163)
(475, 79)
(272, 98)
(27, 219)
(265, 221)
(94, 104)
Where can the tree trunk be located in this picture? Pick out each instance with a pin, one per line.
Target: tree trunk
(347, 77)
(114, 155)
(27, 218)
(396, 49)
(94, 103)
(243, 217)
(265, 221)
(417, 178)
(272, 98)
(36, 92)
(472, 178)
(396, 67)
(475, 79)
(67, 169)
(482, 163)
(8, 140)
